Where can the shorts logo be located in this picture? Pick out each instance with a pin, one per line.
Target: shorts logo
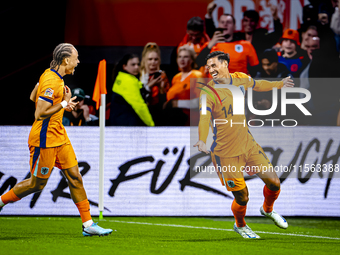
(238, 48)
(44, 170)
(49, 92)
(231, 184)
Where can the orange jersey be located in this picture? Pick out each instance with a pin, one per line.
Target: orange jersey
(49, 132)
(182, 88)
(198, 46)
(241, 54)
(231, 134)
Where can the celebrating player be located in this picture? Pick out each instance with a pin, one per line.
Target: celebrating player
(48, 141)
(233, 143)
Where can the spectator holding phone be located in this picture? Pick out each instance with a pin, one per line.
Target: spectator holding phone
(242, 53)
(154, 79)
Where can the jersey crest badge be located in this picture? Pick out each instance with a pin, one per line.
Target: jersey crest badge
(238, 48)
(44, 170)
(231, 184)
(49, 92)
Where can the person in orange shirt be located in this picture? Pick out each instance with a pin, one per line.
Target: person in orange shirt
(48, 141)
(234, 149)
(242, 53)
(183, 89)
(195, 37)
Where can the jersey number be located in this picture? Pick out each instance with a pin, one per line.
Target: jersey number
(230, 111)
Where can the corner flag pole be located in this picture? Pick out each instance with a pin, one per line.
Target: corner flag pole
(99, 96)
(101, 154)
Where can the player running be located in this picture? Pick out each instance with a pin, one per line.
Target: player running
(233, 143)
(48, 142)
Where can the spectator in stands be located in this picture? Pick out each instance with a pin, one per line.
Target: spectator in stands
(311, 32)
(155, 80)
(83, 113)
(195, 37)
(309, 18)
(335, 25)
(242, 53)
(270, 69)
(270, 66)
(128, 107)
(292, 55)
(312, 44)
(325, 91)
(257, 36)
(183, 89)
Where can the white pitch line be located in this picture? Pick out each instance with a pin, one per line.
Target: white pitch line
(220, 229)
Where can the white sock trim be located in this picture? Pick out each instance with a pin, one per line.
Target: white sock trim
(88, 223)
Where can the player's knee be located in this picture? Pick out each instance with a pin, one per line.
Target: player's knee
(274, 184)
(37, 186)
(242, 200)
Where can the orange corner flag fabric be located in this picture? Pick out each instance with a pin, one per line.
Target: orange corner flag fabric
(100, 86)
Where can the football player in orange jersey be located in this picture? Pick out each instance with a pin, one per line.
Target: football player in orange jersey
(48, 141)
(233, 145)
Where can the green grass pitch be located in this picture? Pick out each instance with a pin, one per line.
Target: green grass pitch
(167, 235)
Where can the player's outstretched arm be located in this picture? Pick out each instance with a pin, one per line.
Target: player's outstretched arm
(263, 85)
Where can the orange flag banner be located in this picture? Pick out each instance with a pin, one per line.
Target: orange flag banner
(100, 86)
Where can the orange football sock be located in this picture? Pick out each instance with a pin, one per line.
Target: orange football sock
(239, 212)
(84, 210)
(9, 197)
(269, 199)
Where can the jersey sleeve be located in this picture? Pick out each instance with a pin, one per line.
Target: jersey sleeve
(238, 79)
(203, 126)
(252, 56)
(46, 91)
(263, 85)
(172, 92)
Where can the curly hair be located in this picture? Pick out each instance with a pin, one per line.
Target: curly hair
(62, 51)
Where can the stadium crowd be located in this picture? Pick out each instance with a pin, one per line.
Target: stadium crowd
(145, 95)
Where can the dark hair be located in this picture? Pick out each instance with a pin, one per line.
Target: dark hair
(63, 50)
(119, 66)
(195, 24)
(228, 14)
(309, 12)
(252, 14)
(271, 55)
(221, 56)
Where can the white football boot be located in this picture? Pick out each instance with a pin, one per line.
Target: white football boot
(245, 232)
(277, 218)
